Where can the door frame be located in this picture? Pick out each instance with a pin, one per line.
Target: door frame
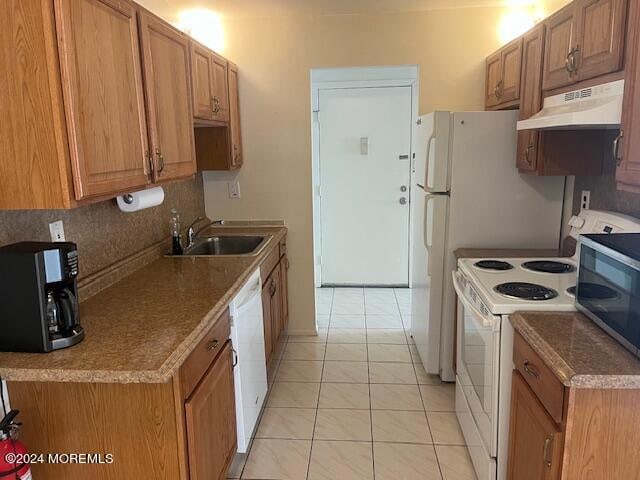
(347, 78)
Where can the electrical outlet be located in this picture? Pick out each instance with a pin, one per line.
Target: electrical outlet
(234, 189)
(585, 199)
(57, 231)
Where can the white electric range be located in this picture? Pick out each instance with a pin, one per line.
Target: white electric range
(489, 290)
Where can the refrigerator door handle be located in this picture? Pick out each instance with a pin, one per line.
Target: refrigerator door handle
(428, 231)
(426, 165)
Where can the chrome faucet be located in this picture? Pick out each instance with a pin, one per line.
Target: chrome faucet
(192, 232)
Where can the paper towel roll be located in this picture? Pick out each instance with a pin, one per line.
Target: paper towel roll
(132, 202)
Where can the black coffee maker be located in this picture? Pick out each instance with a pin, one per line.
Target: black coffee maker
(39, 297)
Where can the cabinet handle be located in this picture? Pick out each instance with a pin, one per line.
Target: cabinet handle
(498, 90)
(272, 288)
(571, 63)
(150, 162)
(236, 358)
(527, 153)
(530, 370)
(616, 148)
(574, 62)
(548, 442)
(160, 161)
(213, 345)
(215, 105)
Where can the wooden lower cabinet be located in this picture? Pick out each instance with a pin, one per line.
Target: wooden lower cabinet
(535, 442)
(155, 431)
(211, 426)
(275, 303)
(597, 436)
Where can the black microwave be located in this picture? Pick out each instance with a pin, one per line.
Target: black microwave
(608, 289)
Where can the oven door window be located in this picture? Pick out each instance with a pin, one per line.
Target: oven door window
(479, 345)
(610, 291)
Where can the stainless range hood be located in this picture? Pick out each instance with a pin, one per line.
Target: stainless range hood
(598, 107)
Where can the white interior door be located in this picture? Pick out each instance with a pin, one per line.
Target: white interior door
(365, 150)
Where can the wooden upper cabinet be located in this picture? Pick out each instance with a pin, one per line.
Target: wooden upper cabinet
(628, 154)
(503, 76)
(220, 88)
(530, 96)
(494, 77)
(167, 80)
(210, 85)
(584, 40)
(103, 95)
(201, 76)
(211, 421)
(560, 35)
(600, 36)
(511, 71)
(535, 442)
(33, 135)
(234, 118)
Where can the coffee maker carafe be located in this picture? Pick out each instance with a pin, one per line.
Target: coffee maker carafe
(38, 297)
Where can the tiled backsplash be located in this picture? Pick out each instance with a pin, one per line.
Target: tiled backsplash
(105, 234)
(604, 195)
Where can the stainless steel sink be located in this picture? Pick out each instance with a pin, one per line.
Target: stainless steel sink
(227, 245)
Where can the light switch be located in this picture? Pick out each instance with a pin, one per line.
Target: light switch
(364, 145)
(234, 189)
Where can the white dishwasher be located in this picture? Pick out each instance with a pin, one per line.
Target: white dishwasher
(250, 372)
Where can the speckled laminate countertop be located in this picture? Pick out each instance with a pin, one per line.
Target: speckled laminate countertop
(142, 328)
(504, 253)
(580, 353)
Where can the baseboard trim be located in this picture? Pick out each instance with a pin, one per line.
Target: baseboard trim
(302, 333)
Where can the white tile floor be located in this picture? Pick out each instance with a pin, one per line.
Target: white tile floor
(355, 402)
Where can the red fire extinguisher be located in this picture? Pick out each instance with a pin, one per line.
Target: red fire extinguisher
(12, 451)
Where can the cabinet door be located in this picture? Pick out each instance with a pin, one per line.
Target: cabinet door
(530, 96)
(168, 91)
(219, 75)
(211, 421)
(234, 118)
(266, 318)
(202, 80)
(276, 305)
(600, 32)
(284, 274)
(494, 76)
(509, 90)
(628, 161)
(559, 42)
(103, 95)
(535, 443)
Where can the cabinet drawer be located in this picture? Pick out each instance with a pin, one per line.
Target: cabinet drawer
(269, 263)
(283, 247)
(205, 353)
(540, 378)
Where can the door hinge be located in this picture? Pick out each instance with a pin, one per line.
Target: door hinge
(316, 116)
(319, 190)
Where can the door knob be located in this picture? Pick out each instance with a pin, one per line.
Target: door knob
(403, 188)
(403, 200)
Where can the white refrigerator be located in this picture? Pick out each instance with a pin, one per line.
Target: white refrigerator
(468, 193)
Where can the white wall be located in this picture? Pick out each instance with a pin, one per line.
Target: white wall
(275, 56)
